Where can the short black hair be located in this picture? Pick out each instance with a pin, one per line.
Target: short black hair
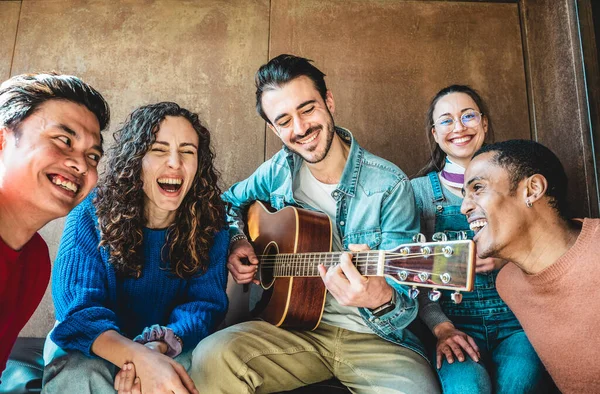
(524, 158)
(281, 70)
(22, 95)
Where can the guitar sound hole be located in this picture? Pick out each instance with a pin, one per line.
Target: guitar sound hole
(267, 266)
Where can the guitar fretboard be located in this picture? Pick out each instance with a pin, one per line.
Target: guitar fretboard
(306, 264)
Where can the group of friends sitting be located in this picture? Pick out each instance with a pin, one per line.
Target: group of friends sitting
(139, 281)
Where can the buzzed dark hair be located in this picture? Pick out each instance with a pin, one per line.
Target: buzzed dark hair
(524, 158)
(22, 95)
(281, 70)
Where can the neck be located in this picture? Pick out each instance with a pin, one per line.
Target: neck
(17, 225)
(330, 169)
(544, 243)
(159, 220)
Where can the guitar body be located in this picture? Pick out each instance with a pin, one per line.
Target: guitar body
(292, 301)
(291, 244)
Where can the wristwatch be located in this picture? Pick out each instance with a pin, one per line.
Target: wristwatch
(385, 308)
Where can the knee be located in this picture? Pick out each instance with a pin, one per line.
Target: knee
(216, 354)
(467, 377)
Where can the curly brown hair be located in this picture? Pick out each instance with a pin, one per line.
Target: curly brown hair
(120, 198)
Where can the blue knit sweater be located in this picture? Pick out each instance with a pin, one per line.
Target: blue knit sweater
(89, 298)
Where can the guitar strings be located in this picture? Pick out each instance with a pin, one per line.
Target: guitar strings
(275, 260)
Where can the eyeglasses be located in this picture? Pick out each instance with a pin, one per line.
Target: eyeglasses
(469, 118)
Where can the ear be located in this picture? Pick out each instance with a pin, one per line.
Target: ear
(273, 129)
(3, 133)
(435, 136)
(536, 187)
(329, 101)
(484, 123)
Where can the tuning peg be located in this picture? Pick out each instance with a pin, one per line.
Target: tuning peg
(413, 292)
(445, 277)
(456, 297)
(419, 238)
(426, 251)
(423, 276)
(402, 275)
(434, 295)
(439, 237)
(447, 250)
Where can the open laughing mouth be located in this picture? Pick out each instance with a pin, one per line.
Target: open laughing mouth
(64, 183)
(477, 225)
(170, 185)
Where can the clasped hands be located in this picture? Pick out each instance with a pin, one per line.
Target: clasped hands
(164, 374)
(342, 280)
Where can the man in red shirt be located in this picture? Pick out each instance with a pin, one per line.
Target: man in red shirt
(515, 201)
(50, 145)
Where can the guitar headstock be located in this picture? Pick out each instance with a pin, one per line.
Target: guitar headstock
(448, 265)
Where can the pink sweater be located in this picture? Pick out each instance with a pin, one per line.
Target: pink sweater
(559, 309)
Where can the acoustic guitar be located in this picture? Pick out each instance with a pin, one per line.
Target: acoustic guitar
(292, 242)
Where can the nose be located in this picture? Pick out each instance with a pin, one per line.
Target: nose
(78, 163)
(174, 160)
(299, 126)
(467, 205)
(458, 126)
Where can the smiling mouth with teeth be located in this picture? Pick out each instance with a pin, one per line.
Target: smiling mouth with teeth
(461, 139)
(64, 183)
(171, 185)
(477, 225)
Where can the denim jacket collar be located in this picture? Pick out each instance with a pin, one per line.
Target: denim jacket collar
(349, 177)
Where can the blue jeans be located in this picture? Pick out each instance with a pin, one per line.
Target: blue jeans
(508, 362)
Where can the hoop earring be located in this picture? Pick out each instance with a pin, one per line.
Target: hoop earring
(528, 203)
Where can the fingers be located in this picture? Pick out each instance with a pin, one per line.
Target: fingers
(117, 380)
(475, 348)
(242, 262)
(125, 378)
(185, 379)
(447, 352)
(137, 386)
(358, 247)
(350, 270)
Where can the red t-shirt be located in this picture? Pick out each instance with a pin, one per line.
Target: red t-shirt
(24, 276)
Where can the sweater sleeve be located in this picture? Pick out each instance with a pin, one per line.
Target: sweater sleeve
(80, 284)
(206, 298)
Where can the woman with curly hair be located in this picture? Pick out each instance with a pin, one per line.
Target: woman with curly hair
(140, 274)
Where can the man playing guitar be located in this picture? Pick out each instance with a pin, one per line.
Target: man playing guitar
(361, 338)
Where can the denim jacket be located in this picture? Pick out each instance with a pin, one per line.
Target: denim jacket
(375, 206)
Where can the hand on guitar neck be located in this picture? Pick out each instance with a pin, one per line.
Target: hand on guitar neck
(242, 262)
(350, 288)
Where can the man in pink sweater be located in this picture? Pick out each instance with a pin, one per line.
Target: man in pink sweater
(515, 201)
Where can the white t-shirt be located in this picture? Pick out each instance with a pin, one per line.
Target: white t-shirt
(308, 191)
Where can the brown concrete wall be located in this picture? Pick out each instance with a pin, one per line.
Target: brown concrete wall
(384, 60)
(560, 117)
(9, 19)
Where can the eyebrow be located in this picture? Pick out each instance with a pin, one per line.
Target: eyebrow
(73, 133)
(164, 143)
(304, 104)
(461, 111)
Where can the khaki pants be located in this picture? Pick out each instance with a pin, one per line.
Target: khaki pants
(259, 357)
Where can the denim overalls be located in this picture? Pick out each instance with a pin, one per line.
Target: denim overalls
(509, 363)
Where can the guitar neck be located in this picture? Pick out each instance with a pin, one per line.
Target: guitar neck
(368, 263)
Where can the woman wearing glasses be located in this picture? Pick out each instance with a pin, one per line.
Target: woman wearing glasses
(481, 347)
